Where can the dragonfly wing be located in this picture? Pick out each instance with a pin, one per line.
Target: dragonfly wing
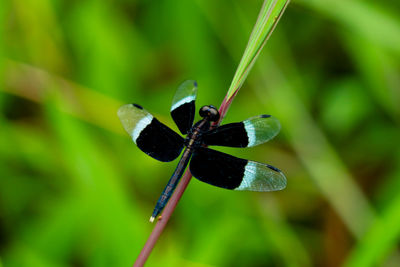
(248, 133)
(226, 171)
(151, 136)
(183, 106)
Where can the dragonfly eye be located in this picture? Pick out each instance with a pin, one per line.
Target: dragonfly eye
(210, 112)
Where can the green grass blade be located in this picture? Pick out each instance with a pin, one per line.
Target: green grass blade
(269, 15)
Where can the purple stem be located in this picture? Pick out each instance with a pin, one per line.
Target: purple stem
(163, 219)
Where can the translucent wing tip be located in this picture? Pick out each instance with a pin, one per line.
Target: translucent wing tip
(262, 177)
(273, 121)
(125, 110)
(130, 115)
(188, 86)
(280, 182)
(186, 92)
(261, 129)
(189, 83)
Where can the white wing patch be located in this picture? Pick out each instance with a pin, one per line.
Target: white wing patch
(251, 132)
(249, 176)
(140, 126)
(182, 101)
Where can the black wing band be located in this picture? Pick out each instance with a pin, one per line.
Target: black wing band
(232, 135)
(251, 132)
(183, 106)
(151, 136)
(226, 171)
(160, 142)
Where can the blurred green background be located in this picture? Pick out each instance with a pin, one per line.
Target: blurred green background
(75, 191)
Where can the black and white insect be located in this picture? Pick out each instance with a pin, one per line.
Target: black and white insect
(207, 165)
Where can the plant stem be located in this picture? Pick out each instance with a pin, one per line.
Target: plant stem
(163, 219)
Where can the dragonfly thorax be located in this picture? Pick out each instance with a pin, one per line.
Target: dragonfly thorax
(193, 138)
(209, 114)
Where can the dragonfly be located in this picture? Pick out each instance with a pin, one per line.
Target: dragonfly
(207, 165)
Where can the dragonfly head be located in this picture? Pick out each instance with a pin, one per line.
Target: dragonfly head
(209, 112)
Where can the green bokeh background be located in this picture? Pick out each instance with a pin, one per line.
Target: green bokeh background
(75, 191)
